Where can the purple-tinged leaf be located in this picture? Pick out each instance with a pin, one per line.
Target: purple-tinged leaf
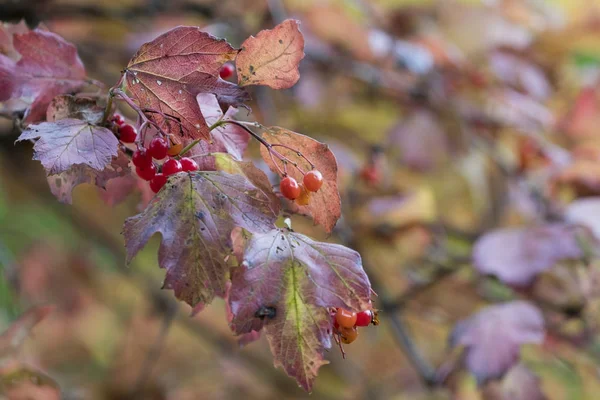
(325, 205)
(48, 66)
(62, 185)
(168, 73)
(63, 144)
(228, 138)
(493, 337)
(285, 284)
(517, 255)
(272, 57)
(195, 214)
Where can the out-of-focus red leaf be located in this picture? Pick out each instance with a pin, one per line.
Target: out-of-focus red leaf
(517, 255)
(48, 66)
(325, 205)
(272, 57)
(7, 30)
(66, 143)
(583, 119)
(284, 284)
(195, 214)
(493, 337)
(168, 73)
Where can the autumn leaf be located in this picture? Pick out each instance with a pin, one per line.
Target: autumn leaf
(65, 143)
(228, 138)
(517, 255)
(195, 214)
(285, 284)
(48, 66)
(325, 205)
(166, 75)
(67, 106)
(7, 30)
(62, 185)
(272, 57)
(493, 337)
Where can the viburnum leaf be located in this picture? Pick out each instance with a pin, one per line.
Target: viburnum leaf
(517, 255)
(325, 205)
(272, 57)
(167, 74)
(493, 337)
(195, 214)
(67, 142)
(62, 185)
(285, 283)
(67, 106)
(48, 66)
(228, 138)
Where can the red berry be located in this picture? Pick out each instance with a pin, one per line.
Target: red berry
(313, 180)
(171, 166)
(147, 172)
(158, 182)
(118, 119)
(158, 148)
(127, 133)
(175, 149)
(348, 335)
(187, 164)
(141, 158)
(345, 318)
(364, 318)
(226, 71)
(290, 188)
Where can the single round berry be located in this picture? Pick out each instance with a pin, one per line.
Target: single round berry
(158, 182)
(313, 180)
(127, 133)
(175, 149)
(188, 165)
(345, 318)
(226, 71)
(141, 158)
(304, 198)
(171, 166)
(290, 188)
(364, 318)
(158, 148)
(348, 335)
(147, 172)
(118, 119)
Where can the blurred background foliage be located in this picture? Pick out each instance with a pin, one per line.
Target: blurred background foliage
(444, 116)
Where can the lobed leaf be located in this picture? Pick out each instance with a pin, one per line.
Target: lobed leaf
(285, 284)
(517, 255)
(195, 214)
(493, 337)
(325, 205)
(168, 73)
(272, 57)
(65, 143)
(48, 66)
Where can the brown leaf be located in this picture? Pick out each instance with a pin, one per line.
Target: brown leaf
(67, 106)
(325, 205)
(272, 57)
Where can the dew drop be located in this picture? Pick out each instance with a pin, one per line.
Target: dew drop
(180, 91)
(158, 83)
(135, 72)
(197, 126)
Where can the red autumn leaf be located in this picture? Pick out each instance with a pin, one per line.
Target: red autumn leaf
(493, 337)
(62, 185)
(517, 255)
(167, 74)
(272, 57)
(325, 205)
(195, 214)
(285, 283)
(48, 66)
(228, 138)
(65, 143)
(7, 30)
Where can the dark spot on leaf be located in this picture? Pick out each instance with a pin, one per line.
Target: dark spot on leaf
(280, 41)
(200, 215)
(265, 312)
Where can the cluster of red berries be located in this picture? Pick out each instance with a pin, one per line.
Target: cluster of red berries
(346, 322)
(158, 149)
(300, 192)
(127, 133)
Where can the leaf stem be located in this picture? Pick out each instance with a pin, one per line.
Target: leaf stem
(187, 148)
